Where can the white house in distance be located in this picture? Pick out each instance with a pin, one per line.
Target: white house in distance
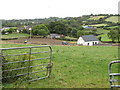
(88, 40)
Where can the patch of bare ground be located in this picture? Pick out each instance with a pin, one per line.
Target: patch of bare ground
(39, 41)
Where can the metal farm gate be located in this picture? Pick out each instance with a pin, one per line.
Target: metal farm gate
(26, 63)
(114, 74)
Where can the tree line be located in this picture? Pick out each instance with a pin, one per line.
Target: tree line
(69, 26)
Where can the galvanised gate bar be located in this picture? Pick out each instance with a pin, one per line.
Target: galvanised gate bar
(28, 63)
(114, 75)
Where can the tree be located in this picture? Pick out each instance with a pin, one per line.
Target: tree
(3, 32)
(74, 32)
(25, 31)
(10, 30)
(40, 30)
(80, 33)
(43, 32)
(59, 28)
(99, 38)
(114, 35)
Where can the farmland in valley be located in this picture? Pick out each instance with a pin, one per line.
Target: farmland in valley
(98, 25)
(75, 67)
(96, 17)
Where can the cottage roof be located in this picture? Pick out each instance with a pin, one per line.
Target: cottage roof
(89, 38)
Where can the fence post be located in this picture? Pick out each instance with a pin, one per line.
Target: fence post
(50, 66)
(0, 69)
(0, 56)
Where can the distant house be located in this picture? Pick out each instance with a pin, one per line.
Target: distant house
(55, 36)
(88, 40)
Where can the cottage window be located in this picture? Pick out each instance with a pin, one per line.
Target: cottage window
(95, 42)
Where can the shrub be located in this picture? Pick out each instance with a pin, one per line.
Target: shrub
(14, 66)
(3, 32)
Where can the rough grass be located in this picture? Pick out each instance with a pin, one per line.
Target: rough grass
(75, 67)
(112, 27)
(104, 35)
(98, 25)
(96, 17)
(67, 37)
(113, 19)
(15, 35)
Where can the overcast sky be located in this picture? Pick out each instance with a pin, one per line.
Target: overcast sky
(30, 9)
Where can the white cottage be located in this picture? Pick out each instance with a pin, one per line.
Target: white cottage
(87, 40)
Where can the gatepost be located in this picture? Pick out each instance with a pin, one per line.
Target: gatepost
(0, 57)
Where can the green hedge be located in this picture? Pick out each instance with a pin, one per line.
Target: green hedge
(8, 38)
(14, 66)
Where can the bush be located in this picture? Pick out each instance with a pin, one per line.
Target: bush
(3, 32)
(26, 31)
(14, 66)
(8, 38)
(10, 30)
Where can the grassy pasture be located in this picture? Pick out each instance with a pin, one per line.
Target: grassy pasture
(15, 35)
(104, 35)
(112, 27)
(75, 67)
(113, 19)
(98, 25)
(96, 17)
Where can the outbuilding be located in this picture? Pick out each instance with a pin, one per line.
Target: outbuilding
(88, 40)
(55, 36)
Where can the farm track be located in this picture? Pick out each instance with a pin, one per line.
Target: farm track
(46, 41)
(38, 41)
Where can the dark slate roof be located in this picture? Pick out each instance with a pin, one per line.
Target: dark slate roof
(89, 38)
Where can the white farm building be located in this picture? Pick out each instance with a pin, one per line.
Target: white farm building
(88, 40)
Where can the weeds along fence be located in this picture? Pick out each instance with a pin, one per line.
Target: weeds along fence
(26, 63)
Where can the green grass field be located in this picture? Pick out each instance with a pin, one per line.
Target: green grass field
(112, 27)
(15, 35)
(96, 17)
(113, 19)
(104, 35)
(75, 67)
(98, 25)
